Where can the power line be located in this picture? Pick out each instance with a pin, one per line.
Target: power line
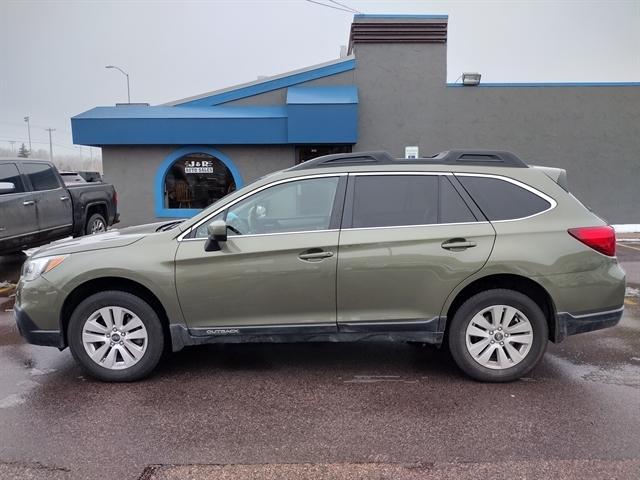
(22, 140)
(35, 126)
(330, 6)
(345, 6)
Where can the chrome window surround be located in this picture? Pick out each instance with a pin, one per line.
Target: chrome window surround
(551, 201)
(253, 192)
(547, 198)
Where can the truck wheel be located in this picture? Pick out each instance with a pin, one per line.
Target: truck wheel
(116, 336)
(96, 224)
(498, 335)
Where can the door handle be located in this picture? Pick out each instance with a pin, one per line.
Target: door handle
(314, 255)
(62, 199)
(28, 202)
(458, 244)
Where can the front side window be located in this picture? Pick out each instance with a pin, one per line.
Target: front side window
(9, 173)
(297, 206)
(41, 176)
(502, 200)
(395, 200)
(196, 181)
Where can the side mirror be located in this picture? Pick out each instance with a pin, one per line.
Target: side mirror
(7, 187)
(217, 231)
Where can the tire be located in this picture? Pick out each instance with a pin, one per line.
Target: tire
(496, 354)
(96, 224)
(135, 356)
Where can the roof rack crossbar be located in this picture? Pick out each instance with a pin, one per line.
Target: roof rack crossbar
(449, 157)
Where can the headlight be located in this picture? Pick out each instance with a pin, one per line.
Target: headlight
(32, 269)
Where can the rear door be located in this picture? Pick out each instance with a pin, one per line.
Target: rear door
(18, 219)
(407, 240)
(53, 203)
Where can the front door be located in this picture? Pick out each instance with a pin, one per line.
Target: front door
(277, 270)
(407, 241)
(53, 203)
(18, 224)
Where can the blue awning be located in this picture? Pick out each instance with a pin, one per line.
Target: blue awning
(311, 115)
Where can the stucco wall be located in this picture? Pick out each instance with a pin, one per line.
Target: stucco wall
(132, 171)
(593, 132)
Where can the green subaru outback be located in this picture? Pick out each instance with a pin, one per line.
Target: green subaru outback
(474, 249)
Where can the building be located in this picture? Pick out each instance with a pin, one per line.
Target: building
(389, 93)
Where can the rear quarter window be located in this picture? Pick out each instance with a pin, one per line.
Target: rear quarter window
(502, 200)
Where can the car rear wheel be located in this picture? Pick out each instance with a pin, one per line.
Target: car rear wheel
(96, 224)
(116, 336)
(498, 335)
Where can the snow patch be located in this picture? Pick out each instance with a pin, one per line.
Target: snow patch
(627, 228)
(632, 292)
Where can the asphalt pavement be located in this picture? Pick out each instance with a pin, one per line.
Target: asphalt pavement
(328, 411)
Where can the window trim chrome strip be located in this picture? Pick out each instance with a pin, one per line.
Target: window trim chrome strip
(422, 225)
(253, 192)
(251, 235)
(552, 203)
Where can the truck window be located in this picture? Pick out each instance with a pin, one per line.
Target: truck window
(41, 175)
(9, 173)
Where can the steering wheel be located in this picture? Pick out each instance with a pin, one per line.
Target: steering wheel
(234, 230)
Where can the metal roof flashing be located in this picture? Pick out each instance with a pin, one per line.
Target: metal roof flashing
(268, 84)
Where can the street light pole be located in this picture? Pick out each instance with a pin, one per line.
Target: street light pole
(126, 75)
(26, 119)
(50, 143)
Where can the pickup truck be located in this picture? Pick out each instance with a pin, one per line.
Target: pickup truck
(37, 208)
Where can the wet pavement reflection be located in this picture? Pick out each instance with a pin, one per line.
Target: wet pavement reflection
(337, 404)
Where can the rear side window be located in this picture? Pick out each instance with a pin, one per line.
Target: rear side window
(453, 209)
(395, 200)
(41, 175)
(502, 200)
(9, 173)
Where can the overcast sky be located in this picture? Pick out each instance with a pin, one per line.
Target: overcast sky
(53, 53)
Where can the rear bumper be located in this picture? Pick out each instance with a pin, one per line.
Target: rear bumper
(567, 324)
(32, 334)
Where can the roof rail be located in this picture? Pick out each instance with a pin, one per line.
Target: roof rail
(494, 158)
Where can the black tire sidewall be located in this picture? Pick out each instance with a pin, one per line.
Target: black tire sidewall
(87, 228)
(458, 327)
(147, 315)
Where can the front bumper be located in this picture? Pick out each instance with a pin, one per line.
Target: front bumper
(32, 334)
(567, 324)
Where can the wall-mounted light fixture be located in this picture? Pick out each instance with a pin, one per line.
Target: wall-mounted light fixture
(471, 79)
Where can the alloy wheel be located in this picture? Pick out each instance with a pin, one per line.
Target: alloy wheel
(499, 337)
(98, 226)
(115, 337)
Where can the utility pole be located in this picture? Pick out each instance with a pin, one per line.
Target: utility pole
(50, 143)
(26, 119)
(13, 146)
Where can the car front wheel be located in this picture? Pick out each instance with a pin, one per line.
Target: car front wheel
(116, 336)
(498, 335)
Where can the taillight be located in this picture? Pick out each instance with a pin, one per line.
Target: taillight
(115, 199)
(601, 239)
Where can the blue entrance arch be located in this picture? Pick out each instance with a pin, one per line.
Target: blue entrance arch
(158, 192)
